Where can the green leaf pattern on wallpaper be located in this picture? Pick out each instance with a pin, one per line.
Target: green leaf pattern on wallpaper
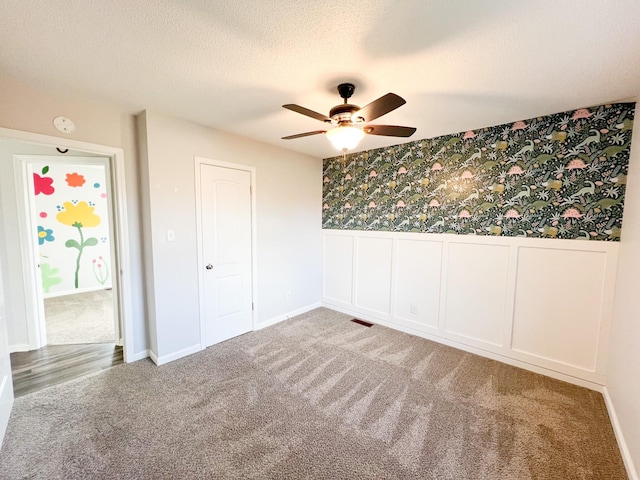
(560, 176)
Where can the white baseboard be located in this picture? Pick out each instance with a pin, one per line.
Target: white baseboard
(19, 347)
(137, 356)
(153, 357)
(622, 444)
(286, 316)
(468, 348)
(175, 355)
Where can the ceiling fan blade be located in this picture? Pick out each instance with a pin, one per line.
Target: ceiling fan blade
(389, 130)
(309, 113)
(306, 134)
(379, 107)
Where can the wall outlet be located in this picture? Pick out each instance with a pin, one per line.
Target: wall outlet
(288, 295)
(414, 309)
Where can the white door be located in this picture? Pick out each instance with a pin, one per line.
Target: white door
(6, 383)
(226, 252)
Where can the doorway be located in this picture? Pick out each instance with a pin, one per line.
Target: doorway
(68, 205)
(26, 293)
(225, 205)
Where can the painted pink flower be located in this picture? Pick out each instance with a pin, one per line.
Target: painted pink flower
(326, 180)
(518, 126)
(43, 185)
(434, 203)
(515, 170)
(75, 179)
(464, 214)
(372, 205)
(466, 175)
(401, 203)
(373, 174)
(512, 213)
(436, 166)
(402, 170)
(325, 206)
(348, 176)
(347, 205)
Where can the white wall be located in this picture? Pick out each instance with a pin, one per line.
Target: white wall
(623, 373)
(289, 240)
(54, 253)
(33, 110)
(543, 304)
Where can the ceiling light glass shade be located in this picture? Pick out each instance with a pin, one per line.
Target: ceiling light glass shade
(345, 137)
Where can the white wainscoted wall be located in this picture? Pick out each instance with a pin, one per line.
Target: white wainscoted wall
(541, 304)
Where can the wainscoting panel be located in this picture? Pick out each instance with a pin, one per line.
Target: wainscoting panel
(542, 304)
(476, 291)
(338, 268)
(558, 305)
(417, 273)
(373, 274)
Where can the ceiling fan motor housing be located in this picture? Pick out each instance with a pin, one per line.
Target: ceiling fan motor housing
(344, 113)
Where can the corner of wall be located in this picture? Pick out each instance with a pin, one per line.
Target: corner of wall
(147, 246)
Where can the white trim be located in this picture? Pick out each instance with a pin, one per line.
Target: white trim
(622, 444)
(175, 355)
(139, 356)
(198, 161)
(468, 348)
(32, 286)
(6, 395)
(287, 316)
(153, 357)
(19, 347)
(122, 257)
(545, 243)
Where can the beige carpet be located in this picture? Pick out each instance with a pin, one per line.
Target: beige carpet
(314, 397)
(80, 318)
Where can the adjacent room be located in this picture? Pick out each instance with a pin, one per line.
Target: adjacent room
(319, 239)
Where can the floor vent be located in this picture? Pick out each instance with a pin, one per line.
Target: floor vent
(362, 322)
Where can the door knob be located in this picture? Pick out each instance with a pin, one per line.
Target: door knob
(209, 267)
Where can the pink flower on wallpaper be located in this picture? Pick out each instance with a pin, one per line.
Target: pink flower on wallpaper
(75, 179)
(43, 185)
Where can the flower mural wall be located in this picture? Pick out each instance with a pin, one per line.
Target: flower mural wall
(70, 203)
(559, 176)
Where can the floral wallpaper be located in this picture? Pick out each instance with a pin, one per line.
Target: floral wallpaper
(559, 176)
(70, 205)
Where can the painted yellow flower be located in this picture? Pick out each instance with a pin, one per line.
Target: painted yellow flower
(80, 215)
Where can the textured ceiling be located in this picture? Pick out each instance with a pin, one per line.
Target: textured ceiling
(231, 64)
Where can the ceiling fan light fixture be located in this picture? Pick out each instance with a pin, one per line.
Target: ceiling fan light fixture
(345, 137)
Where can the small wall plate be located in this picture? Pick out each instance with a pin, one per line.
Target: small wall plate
(64, 124)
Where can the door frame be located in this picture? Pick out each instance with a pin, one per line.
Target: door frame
(121, 258)
(28, 230)
(198, 161)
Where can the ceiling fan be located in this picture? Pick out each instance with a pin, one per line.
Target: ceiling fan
(351, 122)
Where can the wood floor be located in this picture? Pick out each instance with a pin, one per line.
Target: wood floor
(54, 364)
